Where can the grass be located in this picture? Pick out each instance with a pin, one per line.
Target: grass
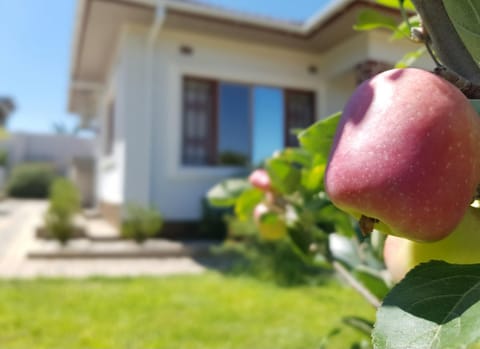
(205, 311)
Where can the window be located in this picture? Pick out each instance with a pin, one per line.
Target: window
(233, 124)
(299, 113)
(109, 128)
(268, 124)
(199, 126)
(227, 123)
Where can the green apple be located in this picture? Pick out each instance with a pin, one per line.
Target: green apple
(462, 246)
(270, 225)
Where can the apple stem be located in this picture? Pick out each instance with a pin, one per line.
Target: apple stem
(366, 225)
(356, 285)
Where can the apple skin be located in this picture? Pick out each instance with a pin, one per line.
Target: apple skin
(268, 230)
(462, 246)
(260, 179)
(406, 152)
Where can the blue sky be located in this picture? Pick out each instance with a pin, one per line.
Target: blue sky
(35, 37)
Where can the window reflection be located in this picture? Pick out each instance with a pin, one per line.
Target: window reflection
(268, 122)
(234, 124)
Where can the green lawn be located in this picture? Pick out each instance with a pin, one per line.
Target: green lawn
(206, 311)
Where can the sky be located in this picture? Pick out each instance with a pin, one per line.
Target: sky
(35, 37)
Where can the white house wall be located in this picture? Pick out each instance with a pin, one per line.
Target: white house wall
(338, 64)
(382, 48)
(178, 190)
(110, 168)
(149, 101)
(137, 118)
(59, 150)
(339, 89)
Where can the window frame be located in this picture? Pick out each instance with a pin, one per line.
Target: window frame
(211, 146)
(287, 116)
(216, 95)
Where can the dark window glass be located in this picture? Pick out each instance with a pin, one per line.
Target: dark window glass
(234, 124)
(299, 114)
(198, 121)
(268, 122)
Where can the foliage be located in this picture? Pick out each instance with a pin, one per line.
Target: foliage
(298, 198)
(31, 180)
(141, 223)
(437, 305)
(232, 158)
(212, 224)
(270, 261)
(208, 311)
(3, 157)
(64, 203)
(465, 18)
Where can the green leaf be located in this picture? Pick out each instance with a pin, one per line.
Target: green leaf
(437, 306)
(246, 202)
(476, 104)
(403, 31)
(407, 4)
(270, 218)
(410, 58)
(465, 16)
(318, 138)
(358, 323)
(283, 175)
(296, 155)
(371, 19)
(226, 193)
(341, 220)
(312, 178)
(372, 280)
(300, 237)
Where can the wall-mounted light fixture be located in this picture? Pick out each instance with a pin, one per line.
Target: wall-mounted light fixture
(312, 69)
(186, 50)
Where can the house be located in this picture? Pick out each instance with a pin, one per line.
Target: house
(186, 94)
(68, 155)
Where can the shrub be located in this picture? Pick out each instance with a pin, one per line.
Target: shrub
(141, 223)
(268, 261)
(3, 157)
(212, 223)
(31, 180)
(64, 203)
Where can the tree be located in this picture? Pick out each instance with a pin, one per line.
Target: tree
(437, 304)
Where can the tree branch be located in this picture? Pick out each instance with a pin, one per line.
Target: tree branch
(357, 286)
(446, 42)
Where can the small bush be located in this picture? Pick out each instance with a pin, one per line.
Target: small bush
(212, 224)
(31, 180)
(64, 203)
(268, 261)
(141, 223)
(3, 158)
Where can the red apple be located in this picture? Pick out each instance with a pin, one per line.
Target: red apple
(269, 228)
(406, 153)
(261, 180)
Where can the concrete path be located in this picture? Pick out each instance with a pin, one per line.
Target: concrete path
(18, 221)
